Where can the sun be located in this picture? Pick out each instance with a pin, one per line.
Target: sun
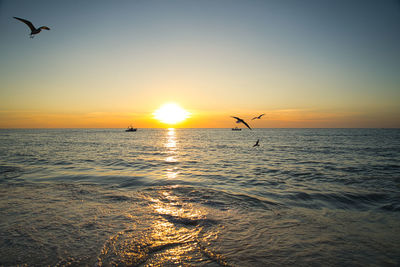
(171, 113)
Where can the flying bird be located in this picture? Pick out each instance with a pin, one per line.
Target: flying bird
(258, 117)
(33, 29)
(239, 120)
(257, 143)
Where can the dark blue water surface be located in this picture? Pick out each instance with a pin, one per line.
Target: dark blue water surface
(203, 197)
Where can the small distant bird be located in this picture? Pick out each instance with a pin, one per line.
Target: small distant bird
(239, 120)
(257, 143)
(258, 117)
(33, 29)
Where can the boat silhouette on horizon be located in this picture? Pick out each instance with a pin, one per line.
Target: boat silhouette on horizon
(131, 129)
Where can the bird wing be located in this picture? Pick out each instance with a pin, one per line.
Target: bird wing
(242, 121)
(27, 22)
(254, 118)
(45, 28)
(238, 120)
(261, 115)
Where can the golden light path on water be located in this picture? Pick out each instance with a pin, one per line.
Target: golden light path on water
(178, 233)
(171, 230)
(171, 147)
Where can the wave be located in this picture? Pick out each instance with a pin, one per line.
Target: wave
(345, 200)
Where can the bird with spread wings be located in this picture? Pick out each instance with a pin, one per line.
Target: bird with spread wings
(258, 117)
(239, 120)
(33, 29)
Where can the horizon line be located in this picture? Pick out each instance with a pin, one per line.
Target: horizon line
(49, 128)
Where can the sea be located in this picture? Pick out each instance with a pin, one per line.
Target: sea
(200, 197)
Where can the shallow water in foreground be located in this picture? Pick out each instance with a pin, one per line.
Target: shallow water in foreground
(202, 197)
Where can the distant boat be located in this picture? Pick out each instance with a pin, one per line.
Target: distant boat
(236, 129)
(131, 129)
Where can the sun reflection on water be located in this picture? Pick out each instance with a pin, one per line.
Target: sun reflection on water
(172, 150)
(172, 173)
(175, 235)
(171, 140)
(171, 231)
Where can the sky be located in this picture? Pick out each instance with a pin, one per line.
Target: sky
(109, 64)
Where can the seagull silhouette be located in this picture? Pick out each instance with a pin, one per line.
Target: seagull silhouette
(258, 117)
(33, 29)
(256, 144)
(239, 120)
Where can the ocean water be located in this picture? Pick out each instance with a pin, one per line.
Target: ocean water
(200, 197)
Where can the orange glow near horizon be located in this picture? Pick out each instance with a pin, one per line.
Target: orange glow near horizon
(289, 118)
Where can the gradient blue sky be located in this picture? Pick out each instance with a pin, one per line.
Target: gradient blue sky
(106, 63)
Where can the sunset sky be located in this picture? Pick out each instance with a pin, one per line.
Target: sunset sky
(110, 64)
